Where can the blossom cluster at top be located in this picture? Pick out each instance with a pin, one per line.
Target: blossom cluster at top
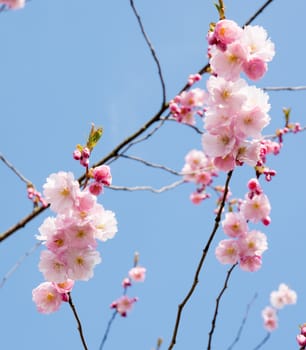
(234, 113)
(70, 237)
(278, 299)
(245, 246)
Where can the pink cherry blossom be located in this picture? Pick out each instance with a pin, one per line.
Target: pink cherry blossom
(80, 263)
(227, 31)
(227, 251)
(52, 266)
(60, 191)
(123, 305)
(102, 174)
(257, 208)
(270, 318)
(46, 298)
(253, 243)
(234, 224)
(64, 287)
(283, 296)
(138, 273)
(255, 39)
(229, 63)
(255, 68)
(250, 263)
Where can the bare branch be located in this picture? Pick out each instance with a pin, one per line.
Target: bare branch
(22, 222)
(148, 188)
(213, 322)
(236, 340)
(152, 165)
(16, 172)
(265, 339)
(110, 322)
(284, 88)
(201, 262)
(152, 52)
(78, 321)
(258, 12)
(188, 125)
(18, 263)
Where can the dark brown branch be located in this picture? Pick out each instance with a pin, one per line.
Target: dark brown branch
(161, 78)
(201, 262)
(213, 322)
(258, 12)
(22, 223)
(78, 322)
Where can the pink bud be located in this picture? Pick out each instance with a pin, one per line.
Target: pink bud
(96, 188)
(301, 339)
(86, 152)
(266, 221)
(77, 154)
(102, 174)
(126, 282)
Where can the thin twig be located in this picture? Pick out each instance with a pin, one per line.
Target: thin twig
(148, 188)
(213, 322)
(243, 322)
(284, 88)
(201, 262)
(15, 171)
(152, 52)
(265, 339)
(258, 12)
(18, 263)
(152, 165)
(188, 125)
(110, 322)
(78, 322)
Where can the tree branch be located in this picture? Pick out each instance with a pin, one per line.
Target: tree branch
(78, 322)
(201, 262)
(152, 52)
(148, 188)
(213, 322)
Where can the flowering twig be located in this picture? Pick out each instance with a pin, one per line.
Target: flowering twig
(148, 188)
(236, 340)
(152, 165)
(265, 339)
(18, 263)
(152, 52)
(201, 262)
(213, 323)
(110, 322)
(78, 321)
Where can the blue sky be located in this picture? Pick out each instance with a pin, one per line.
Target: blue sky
(66, 64)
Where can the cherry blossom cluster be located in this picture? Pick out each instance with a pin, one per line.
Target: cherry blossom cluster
(234, 113)
(125, 303)
(71, 236)
(301, 338)
(245, 246)
(13, 4)
(200, 170)
(278, 299)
